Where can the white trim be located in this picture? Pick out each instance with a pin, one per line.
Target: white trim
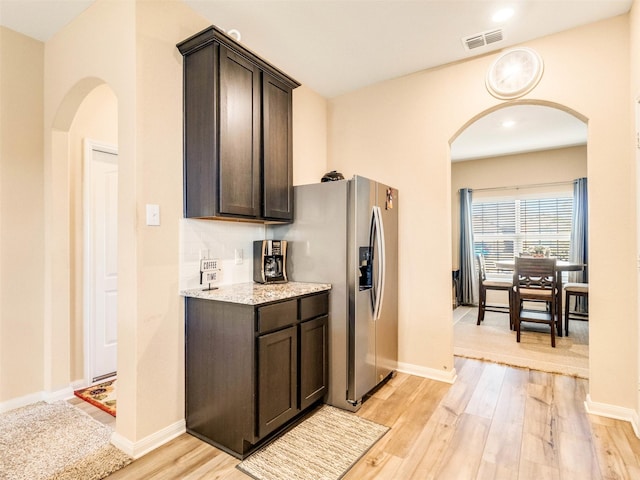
(426, 372)
(42, 396)
(62, 394)
(613, 411)
(89, 146)
(137, 449)
(21, 401)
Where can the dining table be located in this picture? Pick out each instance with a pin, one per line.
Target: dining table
(561, 266)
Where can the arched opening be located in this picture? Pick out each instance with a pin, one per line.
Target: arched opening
(520, 160)
(85, 125)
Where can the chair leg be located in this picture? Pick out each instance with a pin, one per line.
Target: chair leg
(511, 309)
(516, 318)
(567, 300)
(553, 328)
(482, 293)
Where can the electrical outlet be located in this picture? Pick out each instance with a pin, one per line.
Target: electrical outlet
(239, 256)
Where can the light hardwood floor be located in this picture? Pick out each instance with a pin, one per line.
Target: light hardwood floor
(495, 422)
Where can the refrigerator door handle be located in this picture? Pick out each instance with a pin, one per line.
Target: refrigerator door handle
(380, 246)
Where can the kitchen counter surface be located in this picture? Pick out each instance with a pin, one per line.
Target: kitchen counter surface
(257, 293)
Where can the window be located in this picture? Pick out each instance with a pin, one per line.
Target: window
(504, 228)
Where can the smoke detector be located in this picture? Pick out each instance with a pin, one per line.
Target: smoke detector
(482, 39)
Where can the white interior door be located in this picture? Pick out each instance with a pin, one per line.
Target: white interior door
(101, 260)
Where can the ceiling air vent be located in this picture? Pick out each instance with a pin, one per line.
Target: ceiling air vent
(482, 39)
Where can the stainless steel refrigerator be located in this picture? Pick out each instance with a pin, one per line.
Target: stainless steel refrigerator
(346, 233)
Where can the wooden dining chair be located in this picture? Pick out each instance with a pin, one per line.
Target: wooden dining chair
(574, 290)
(534, 280)
(485, 284)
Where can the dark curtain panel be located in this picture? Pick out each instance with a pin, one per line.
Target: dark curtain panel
(468, 276)
(579, 249)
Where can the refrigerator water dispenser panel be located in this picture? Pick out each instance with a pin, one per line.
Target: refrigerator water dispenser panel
(366, 268)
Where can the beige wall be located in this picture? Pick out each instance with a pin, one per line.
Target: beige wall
(309, 136)
(399, 131)
(551, 166)
(634, 22)
(96, 48)
(21, 215)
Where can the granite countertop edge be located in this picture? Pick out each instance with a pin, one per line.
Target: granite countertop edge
(256, 293)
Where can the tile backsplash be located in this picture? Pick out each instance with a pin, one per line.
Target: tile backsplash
(221, 240)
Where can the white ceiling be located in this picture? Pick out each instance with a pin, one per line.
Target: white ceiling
(336, 46)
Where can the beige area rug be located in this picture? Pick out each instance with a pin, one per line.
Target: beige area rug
(323, 447)
(493, 341)
(56, 442)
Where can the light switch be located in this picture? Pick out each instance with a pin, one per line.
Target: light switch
(153, 215)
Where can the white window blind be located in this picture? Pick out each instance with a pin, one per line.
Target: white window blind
(504, 228)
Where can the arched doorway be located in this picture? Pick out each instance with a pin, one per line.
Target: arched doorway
(88, 111)
(511, 156)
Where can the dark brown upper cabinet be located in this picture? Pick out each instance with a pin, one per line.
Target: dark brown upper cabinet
(237, 132)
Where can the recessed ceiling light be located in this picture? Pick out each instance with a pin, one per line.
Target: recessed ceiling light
(502, 15)
(508, 123)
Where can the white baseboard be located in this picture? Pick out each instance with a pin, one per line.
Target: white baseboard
(43, 396)
(62, 394)
(21, 401)
(615, 412)
(138, 449)
(425, 372)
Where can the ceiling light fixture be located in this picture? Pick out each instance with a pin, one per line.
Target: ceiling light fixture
(502, 15)
(514, 73)
(508, 123)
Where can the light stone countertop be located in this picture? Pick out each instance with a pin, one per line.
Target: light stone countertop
(257, 293)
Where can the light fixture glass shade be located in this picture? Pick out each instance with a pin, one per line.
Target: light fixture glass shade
(514, 73)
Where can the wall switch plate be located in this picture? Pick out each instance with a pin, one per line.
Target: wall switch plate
(153, 215)
(239, 256)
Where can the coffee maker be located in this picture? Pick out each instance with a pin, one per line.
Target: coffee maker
(270, 261)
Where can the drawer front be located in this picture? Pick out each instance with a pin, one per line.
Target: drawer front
(276, 316)
(314, 306)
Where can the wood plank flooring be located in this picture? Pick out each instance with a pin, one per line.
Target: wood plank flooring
(495, 422)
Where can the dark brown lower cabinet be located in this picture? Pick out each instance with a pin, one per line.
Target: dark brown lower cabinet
(277, 379)
(250, 370)
(313, 360)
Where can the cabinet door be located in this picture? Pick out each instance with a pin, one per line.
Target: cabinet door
(200, 126)
(277, 160)
(277, 379)
(313, 360)
(240, 112)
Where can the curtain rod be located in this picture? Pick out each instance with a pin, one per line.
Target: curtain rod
(518, 187)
